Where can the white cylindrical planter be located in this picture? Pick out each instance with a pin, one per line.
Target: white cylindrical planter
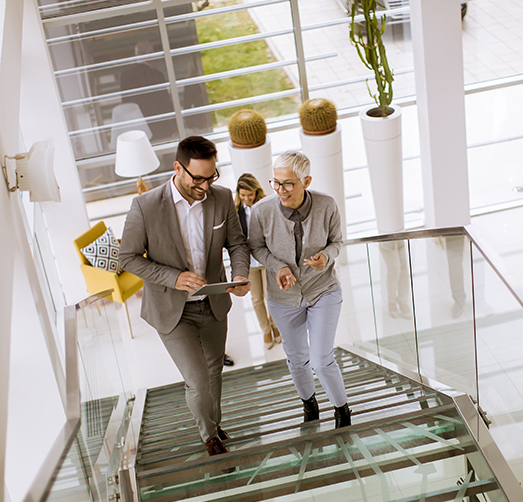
(324, 152)
(382, 136)
(256, 161)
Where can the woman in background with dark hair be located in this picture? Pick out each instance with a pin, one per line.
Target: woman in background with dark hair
(248, 192)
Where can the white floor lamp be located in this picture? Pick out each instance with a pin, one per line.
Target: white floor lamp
(135, 157)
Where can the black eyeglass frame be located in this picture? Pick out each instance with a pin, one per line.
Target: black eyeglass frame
(279, 184)
(200, 180)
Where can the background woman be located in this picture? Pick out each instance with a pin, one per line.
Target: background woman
(297, 236)
(248, 192)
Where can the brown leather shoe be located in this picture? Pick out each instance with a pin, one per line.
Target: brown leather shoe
(215, 447)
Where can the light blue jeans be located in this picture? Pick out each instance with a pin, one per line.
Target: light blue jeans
(308, 334)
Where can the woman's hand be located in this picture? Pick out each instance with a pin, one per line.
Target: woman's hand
(317, 262)
(285, 279)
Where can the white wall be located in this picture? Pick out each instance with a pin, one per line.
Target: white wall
(30, 406)
(9, 91)
(41, 116)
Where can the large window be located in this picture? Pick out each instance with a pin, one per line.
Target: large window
(175, 68)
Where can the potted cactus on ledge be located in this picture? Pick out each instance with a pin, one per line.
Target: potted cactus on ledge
(381, 122)
(318, 116)
(250, 147)
(247, 129)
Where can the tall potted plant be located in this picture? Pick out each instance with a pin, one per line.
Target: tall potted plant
(381, 123)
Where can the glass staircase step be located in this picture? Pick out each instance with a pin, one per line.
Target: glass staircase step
(405, 440)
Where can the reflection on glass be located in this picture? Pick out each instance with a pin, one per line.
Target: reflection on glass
(434, 335)
(357, 319)
(397, 281)
(144, 74)
(392, 299)
(442, 286)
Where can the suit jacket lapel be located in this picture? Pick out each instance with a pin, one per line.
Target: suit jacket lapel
(208, 221)
(169, 212)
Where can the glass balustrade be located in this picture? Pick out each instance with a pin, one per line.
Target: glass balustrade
(499, 329)
(90, 471)
(434, 306)
(437, 307)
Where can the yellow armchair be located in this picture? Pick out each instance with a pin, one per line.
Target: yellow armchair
(124, 285)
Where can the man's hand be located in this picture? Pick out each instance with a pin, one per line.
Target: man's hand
(240, 290)
(285, 279)
(189, 281)
(317, 262)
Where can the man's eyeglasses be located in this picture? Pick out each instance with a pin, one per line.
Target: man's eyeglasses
(288, 186)
(200, 180)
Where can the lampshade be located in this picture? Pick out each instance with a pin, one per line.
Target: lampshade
(135, 156)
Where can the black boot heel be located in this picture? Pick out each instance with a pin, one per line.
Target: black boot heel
(342, 416)
(311, 410)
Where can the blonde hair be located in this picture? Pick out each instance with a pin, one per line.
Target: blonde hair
(294, 160)
(248, 182)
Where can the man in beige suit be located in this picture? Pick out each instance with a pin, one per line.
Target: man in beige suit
(173, 239)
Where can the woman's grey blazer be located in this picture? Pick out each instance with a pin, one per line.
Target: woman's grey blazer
(152, 229)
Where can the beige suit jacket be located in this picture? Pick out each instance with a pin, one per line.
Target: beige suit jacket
(152, 228)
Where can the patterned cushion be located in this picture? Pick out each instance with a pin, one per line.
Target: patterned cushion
(103, 252)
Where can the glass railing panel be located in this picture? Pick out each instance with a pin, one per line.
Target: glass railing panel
(499, 326)
(442, 285)
(106, 403)
(357, 323)
(392, 298)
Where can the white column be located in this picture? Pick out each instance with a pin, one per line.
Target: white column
(438, 62)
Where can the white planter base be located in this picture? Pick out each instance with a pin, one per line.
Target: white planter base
(325, 153)
(382, 136)
(256, 161)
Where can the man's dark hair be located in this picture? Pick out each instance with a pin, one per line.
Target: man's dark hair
(195, 147)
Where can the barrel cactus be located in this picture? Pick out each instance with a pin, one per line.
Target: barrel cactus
(247, 128)
(318, 116)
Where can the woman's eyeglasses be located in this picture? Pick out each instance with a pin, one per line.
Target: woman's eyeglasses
(200, 180)
(288, 186)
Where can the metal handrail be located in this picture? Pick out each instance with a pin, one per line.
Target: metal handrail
(46, 476)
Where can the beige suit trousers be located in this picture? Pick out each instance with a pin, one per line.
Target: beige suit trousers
(259, 298)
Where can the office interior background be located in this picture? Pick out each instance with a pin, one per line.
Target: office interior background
(66, 73)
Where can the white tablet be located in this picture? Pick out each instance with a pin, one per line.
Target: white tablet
(218, 288)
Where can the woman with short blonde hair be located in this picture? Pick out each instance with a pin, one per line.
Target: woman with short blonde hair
(297, 235)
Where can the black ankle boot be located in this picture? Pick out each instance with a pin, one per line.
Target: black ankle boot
(310, 409)
(342, 416)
